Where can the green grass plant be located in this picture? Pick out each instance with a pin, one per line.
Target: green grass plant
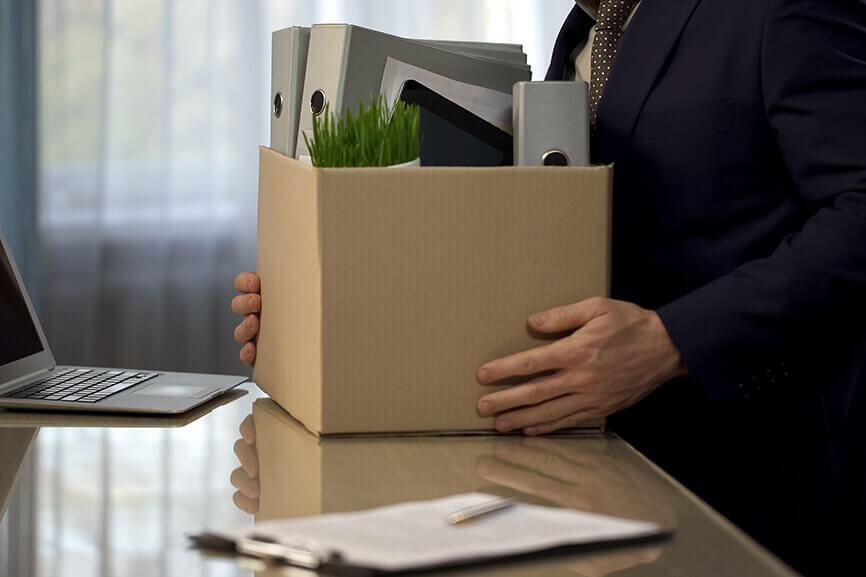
(374, 135)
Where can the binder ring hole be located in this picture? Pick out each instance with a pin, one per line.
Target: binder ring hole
(555, 158)
(278, 104)
(318, 101)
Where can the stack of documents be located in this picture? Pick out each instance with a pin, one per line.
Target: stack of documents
(419, 535)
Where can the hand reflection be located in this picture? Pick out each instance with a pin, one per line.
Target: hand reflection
(579, 474)
(246, 477)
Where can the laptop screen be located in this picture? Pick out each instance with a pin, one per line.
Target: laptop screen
(18, 335)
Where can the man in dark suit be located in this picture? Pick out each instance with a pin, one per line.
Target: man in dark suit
(738, 130)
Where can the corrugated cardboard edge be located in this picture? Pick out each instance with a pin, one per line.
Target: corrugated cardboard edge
(590, 429)
(289, 270)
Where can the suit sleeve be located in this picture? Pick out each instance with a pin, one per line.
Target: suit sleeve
(813, 66)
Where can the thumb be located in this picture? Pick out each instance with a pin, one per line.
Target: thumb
(568, 317)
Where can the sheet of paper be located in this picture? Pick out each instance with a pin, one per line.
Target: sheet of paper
(417, 535)
(493, 106)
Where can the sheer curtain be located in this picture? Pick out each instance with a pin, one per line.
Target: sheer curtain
(150, 118)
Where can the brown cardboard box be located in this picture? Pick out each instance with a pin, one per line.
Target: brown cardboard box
(384, 289)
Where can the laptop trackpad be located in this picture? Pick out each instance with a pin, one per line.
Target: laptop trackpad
(169, 390)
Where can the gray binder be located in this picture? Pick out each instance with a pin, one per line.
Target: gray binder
(288, 67)
(345, 65)
(551, 123)
(512, 53)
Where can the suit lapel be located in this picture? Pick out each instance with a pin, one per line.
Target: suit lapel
(573, 32)
(646, 46)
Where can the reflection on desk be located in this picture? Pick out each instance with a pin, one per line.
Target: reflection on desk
(102, 495)
(13, 447)
(68, 419)
(286, 472)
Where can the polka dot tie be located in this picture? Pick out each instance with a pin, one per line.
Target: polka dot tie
(612, 16)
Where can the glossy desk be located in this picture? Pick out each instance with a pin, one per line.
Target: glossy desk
(81, 500)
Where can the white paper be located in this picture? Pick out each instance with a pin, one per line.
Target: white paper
(417, 535)
(491, 105)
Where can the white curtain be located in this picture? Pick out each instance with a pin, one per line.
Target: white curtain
(150, 117)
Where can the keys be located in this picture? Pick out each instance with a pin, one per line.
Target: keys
(82, 385)
(111, 388)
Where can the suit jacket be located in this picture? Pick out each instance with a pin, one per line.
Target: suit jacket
(738, 133)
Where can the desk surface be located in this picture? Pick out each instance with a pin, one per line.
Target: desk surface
(82, 501)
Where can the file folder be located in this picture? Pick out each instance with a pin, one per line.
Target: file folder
(345, 64)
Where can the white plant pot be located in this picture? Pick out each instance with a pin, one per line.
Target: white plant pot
(410, 164)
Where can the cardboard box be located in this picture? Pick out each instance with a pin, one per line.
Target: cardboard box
(384, 289)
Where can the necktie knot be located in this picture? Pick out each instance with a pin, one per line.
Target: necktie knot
(613, 14)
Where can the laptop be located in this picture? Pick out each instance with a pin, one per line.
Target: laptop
(30, 379)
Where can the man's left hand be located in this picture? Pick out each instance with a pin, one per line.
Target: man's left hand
(618, 355)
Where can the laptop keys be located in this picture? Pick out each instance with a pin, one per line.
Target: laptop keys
(82, 385)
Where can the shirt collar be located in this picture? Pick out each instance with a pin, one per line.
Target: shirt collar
(590, 7)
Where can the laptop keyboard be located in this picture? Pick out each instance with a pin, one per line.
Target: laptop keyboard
(81, 385)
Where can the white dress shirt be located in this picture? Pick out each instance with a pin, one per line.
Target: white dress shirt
(582, 55)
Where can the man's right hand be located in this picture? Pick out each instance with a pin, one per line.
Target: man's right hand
(249, 305)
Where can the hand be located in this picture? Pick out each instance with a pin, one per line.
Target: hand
(248, 304)
(246, 477)
(618, 355)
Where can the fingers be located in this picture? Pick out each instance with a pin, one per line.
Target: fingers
(248, 354)
(247, 304)
(566, 422)
(523, 363)
(541, 415)
(247, 486)
(247, 329)
(572, 316)
(246, 454)
(247, 429)
(248, 282)
(245, 504)
(531, 393)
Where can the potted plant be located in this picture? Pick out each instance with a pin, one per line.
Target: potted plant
(374, 135)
